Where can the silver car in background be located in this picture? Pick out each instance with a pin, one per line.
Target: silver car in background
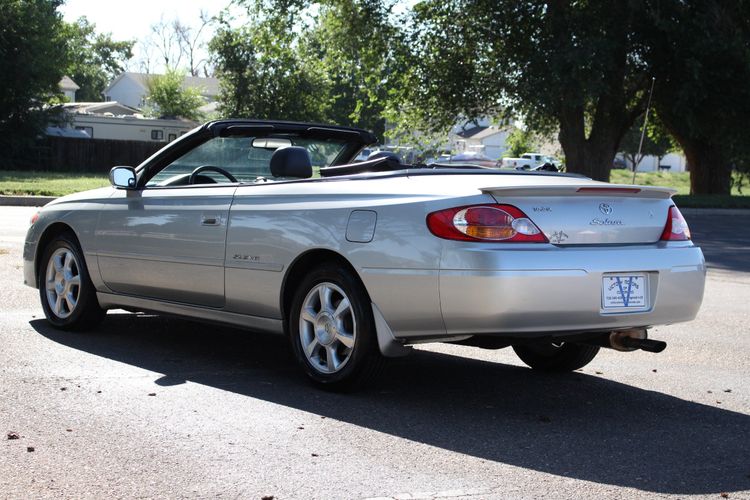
(270, 226)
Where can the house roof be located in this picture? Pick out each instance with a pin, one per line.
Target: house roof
(67, 83)
(487, 132)
(471, 132)
(99, 108)
(208, 86)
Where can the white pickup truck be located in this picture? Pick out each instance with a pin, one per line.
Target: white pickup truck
(528, 161)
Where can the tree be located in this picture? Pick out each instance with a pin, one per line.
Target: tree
(167, 97)
(177, 45)
(656, 141)
(568, 66)
(94, 58)
(262, 74)
(700, 56)
(356, 45)
(519, 142)
(328, 61)
(32, 60)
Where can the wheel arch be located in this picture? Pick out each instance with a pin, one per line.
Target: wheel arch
(296, 273)
(50, 233)
(387, 343)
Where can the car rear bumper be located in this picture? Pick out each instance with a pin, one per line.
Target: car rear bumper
(533, 290)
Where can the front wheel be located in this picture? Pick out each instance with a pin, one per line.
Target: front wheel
(332, 330)
(556, 356)
(67, 294)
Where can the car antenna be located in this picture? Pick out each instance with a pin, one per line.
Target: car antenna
(643, 130)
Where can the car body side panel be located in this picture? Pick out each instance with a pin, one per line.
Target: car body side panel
(424, 286)
(166, 243)
(270, 226)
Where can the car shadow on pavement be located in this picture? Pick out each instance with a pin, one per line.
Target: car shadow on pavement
(576, 426)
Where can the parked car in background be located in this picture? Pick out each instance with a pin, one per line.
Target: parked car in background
(270, 226)
(474, 158)
(530, 160)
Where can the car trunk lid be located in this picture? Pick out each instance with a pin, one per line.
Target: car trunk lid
(581, 214)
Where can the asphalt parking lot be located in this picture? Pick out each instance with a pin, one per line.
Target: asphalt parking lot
(153, 407)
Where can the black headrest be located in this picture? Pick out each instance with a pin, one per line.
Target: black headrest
(291, 161)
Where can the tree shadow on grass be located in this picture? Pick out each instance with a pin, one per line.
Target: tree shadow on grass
(574, 426)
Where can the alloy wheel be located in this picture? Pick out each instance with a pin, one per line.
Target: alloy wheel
(327, 328)
(63, 282)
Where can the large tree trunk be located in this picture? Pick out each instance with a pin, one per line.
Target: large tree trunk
(707, 157)
(710, 172)
(588, 158)
(592, 156)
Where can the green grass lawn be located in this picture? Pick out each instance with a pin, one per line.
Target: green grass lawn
(677, 180)
(681, 182)
(15, 182)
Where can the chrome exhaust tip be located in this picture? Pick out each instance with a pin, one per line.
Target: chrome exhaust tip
(622, 340)
(637, 338)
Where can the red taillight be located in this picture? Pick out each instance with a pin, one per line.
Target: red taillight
(503, 223)
(676, 228)
(34, 218)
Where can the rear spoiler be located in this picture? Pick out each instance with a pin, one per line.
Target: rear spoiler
(606, 190)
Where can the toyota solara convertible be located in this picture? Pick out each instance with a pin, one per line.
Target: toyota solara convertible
(270, 226)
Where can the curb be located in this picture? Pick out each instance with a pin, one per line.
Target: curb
(25, 201)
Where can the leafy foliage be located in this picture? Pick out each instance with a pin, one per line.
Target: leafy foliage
(699, 53)
(94, 59)
(656, 141)
(567, 66)
(519, 142)
(583, 68)
(261, 71)
(32, 56)
(326, 61)
(167, 97)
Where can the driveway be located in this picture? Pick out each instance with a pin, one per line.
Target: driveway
(148, 406)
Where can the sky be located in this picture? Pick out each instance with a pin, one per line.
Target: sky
(132, 20)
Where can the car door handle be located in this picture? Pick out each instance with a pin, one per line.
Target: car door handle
(211, 220)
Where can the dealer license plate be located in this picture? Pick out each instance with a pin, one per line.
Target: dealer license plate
(625, 291)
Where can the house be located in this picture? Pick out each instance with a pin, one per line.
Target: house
(113, 120)
(131, 88)
(487, 139)
(672, 162)
(68, 88)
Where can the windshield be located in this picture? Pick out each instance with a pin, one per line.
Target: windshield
(245, 158)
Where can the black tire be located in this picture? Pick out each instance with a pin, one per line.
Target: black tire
(556, 357)
(323, 333)
(86, 312)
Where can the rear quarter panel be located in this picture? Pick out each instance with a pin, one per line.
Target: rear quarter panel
(271, 225)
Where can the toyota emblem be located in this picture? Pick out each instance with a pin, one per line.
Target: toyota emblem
(605, 209)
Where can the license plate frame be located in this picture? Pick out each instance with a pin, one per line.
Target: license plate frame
(625, 292)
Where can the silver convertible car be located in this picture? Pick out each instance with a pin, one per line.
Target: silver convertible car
(271, 227)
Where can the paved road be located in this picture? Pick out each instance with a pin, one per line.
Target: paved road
(154, 407)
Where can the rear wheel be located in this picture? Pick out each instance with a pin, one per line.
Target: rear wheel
(67, 294)
(332, 330)
(556, 356)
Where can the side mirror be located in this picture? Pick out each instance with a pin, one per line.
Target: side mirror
(122, 177)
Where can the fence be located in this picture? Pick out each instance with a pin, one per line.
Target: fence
(67, 154)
